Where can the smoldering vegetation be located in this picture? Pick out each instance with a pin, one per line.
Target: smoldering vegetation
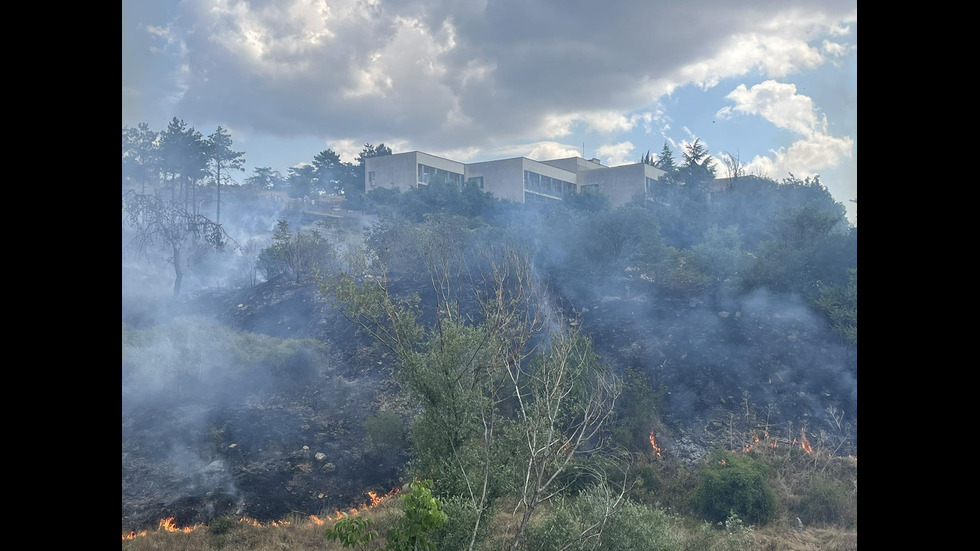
(249, 393)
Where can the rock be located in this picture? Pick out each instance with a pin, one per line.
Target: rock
(320, 456)
(328, 468)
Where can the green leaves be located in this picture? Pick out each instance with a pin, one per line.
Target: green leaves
(423, 514)
(352, 531)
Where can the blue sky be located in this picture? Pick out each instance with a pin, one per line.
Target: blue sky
(773, 83)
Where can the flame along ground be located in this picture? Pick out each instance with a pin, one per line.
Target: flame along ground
(765, 440)
(169, 525)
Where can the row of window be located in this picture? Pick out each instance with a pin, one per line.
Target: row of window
(427, 173)
(547, 185)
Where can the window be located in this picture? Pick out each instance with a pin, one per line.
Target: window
(371, 178)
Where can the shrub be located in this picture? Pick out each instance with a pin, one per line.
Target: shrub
(631, 527)
(422, 516)
(351, 531)
(458, 530)
(734, 483)
(386, 431)
(827, 502)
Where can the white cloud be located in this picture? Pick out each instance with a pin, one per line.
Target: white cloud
(779, 104)
(616, 154)
(346, 149)
(804, 158)
(543, 151)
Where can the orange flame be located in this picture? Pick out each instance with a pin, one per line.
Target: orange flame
(169, 524)
(133, 535)
(804, 443)
(653, 444)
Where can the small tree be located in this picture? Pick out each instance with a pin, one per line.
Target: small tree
(298, 253)
(221, 158)
(351, 531)
(422, 516)
(167, 224)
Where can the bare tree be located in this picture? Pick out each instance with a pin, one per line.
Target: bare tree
(168, 225)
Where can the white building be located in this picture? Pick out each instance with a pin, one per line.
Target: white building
(518, 179)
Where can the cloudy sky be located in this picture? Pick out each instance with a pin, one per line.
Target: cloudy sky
(771, 82)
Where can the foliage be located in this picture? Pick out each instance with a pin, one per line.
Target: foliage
(385, 431)
(505, 407)
(734, 483)
(458, 532)
(637, 411)
(351, 531)
(589, 200)
(167, 224)
(222, 157)
(587, 522)
(840, 305)
(301, 180)
(301, 254)
(140, 155)
(264, 177)
(422, 516)
(827, 502)
(730, 535)
(221, 525)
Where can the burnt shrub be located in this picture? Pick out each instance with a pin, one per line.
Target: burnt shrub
(734, 483)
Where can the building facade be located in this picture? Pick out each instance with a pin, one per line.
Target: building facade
(517, 179)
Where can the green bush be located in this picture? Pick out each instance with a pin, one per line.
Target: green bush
(351, 531)
(734, 483)
(422, 516)
(385, 431)
(458, 531)
(631, 527)
(221, 525)
(828, 502)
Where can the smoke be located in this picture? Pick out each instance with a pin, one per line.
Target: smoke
(247, 396)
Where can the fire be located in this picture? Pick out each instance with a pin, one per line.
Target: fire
(804, 443)
(169, 524)
(653, 444)
(133, 535)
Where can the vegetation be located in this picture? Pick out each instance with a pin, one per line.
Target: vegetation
(523, 429)
(734, 484)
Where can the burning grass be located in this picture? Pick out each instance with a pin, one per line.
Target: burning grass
(295, 532)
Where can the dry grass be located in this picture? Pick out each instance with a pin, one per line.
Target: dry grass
(293, 534)
(809, 539)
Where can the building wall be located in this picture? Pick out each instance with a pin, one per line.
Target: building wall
(503, 178)
(400, 170)
(545, 169)
(573, 164)
(442, 164)
(391, 171)
(621, 183)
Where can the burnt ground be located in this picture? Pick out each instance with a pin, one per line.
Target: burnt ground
(730, 369)
(268, 448)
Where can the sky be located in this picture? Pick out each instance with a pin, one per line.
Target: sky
(772, 84)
